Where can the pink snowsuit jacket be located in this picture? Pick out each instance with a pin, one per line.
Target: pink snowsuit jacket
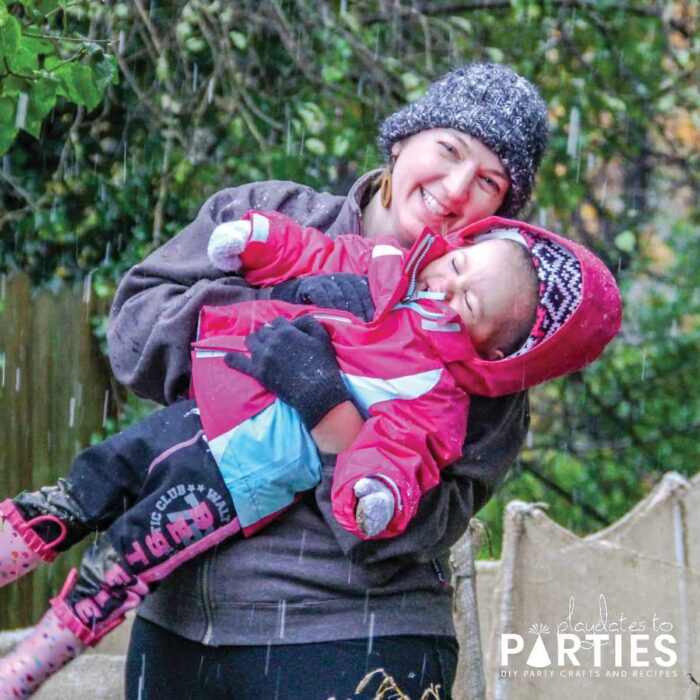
(411, 369)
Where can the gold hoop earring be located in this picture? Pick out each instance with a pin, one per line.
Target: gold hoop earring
(385, 188)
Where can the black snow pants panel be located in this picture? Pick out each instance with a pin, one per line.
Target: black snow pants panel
(156, 495)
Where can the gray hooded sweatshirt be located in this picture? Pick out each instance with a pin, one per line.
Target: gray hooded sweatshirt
(303, 578)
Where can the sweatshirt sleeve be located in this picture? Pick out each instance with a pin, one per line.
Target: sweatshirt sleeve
(155, 310)
(405, 443)
(280, 249)
(496, 431)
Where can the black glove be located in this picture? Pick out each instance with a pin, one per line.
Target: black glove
(296, 362)
(342, 290)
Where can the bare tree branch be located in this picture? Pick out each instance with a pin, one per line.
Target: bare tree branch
(451, 8)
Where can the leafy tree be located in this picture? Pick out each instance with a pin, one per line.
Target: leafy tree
(39, 65)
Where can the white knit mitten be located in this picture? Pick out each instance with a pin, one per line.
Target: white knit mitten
(375, 505)
(227, 242)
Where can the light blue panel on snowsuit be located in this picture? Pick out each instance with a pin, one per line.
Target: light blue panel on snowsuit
(270, 457)
(265, 460)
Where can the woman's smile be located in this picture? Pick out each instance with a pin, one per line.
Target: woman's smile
(433, 206)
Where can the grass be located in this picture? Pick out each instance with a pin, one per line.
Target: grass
(389, 690)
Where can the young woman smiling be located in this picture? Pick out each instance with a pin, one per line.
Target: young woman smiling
(303, 610)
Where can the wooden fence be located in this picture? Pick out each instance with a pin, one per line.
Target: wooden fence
(54, 395)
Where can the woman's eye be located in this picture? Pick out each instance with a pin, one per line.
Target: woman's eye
(454, 266)
(491, 184)
(466, 301)
(449, 148)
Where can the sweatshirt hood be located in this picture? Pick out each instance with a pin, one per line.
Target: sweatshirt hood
(579, 311)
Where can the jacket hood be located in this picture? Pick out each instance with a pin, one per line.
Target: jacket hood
(579, 311)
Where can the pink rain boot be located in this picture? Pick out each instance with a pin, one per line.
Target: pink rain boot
(21, 549)
(48, 647)
(64, 633)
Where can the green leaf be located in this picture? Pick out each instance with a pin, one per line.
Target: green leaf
(105, 72)
(38, 45)
(10, 33)
(13, 85)
(332, 73)
(315, 146)
(614, 103)
(79, 84)
(626, 241)
(495, 54)
(52, 62)
(195, 44)
(162, 68)
(352, 22)
(313, 117)
(464, 24)
(23, 61)
(239, 40)
(8, 132)
(42, 6)
(341, 145)
(121, 10)
(42, 98)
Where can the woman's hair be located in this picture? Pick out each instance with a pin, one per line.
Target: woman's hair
(493, 104)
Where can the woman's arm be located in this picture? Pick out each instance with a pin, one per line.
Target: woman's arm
(154, 314)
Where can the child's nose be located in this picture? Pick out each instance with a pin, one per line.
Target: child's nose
(450, 287)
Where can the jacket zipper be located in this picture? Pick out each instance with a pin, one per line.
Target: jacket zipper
(415, 262)
(437, 570)
(206, 602)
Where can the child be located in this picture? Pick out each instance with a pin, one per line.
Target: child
(237, 463)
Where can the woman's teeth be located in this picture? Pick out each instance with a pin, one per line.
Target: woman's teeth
(433, 206)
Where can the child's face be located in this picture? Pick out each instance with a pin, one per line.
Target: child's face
(484, 284)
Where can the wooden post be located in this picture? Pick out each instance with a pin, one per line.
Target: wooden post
(470, 683)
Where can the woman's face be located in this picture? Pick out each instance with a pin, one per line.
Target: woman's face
(443, 179)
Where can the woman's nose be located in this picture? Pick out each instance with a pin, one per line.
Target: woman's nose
(458, 182)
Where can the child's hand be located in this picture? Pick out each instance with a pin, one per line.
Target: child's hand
(375, 507)
(227, 242)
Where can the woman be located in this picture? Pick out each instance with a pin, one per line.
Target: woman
(313, 608)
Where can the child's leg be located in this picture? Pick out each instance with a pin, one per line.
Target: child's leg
(105, 480)
(184, 508)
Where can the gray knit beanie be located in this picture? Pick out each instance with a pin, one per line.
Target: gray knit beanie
(493, 104)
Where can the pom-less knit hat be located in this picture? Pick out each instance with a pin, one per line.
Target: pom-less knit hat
(494, 105)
